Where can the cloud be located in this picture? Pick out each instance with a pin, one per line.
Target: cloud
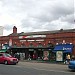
(37, 15)
(68, 18)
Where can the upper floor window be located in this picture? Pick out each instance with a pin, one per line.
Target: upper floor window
(39, 45)
(31, 45)
(15, 45)
(49, 45)
(23, 45)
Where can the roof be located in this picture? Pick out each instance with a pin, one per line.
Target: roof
(14, 34)
(47, 32)
(42, 32)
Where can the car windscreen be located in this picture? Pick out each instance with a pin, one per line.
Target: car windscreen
(7, 55)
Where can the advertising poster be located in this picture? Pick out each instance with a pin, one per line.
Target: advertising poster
(59, 56)
(46, 55)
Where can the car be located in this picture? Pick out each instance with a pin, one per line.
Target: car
(71, 65)
(8, 59)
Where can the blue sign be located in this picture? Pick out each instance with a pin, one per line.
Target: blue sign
(63, 47)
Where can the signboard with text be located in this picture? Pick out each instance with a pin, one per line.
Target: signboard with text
(32, 36)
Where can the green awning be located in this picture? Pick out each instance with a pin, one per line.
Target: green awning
(3, 50)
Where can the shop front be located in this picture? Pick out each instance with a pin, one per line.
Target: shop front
(62, 50)
(35, 53)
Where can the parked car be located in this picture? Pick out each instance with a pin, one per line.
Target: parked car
(7, 59)
(71, 65)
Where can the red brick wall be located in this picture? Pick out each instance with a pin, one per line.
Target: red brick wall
(52, 38)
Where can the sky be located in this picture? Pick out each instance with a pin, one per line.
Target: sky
(36, 15)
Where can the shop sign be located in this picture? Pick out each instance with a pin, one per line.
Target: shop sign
(22, 40)
(30, 40)
(40, 40)
(31, 49)
(33, 36)
(66, 48)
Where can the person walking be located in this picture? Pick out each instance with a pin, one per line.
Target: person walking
(68, 58)
(29, 57)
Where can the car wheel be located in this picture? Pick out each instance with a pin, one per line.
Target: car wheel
(6, 62)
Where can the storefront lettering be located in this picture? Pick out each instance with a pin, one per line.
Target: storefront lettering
(66, 48)
(32, 36)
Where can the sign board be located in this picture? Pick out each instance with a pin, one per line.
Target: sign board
(32, 36)
(59, 56)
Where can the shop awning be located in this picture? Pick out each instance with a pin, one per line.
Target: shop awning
(64, 47)
(3, 50)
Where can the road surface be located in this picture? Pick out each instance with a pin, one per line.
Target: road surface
(28, 68)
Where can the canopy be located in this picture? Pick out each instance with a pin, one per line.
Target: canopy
(63, 47)
(3, 50)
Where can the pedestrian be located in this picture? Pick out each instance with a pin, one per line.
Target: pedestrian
(34, 56)
(68, 58)
(16, 55)
(29, 57)
(73, 57)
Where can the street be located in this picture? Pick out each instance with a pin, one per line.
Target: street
(33, 68)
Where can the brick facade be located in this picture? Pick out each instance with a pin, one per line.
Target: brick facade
(44, 38)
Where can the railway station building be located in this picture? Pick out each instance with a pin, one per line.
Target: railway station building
(44, 45)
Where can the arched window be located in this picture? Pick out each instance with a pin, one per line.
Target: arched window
(15, 45)
(31, 45)
(40, 45)
(22, 45)
(50, 45)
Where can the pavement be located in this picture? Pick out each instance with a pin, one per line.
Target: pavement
(43, 65)
(54, 68)
(41, 61)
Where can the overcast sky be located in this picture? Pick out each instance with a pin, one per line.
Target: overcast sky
(36, 15)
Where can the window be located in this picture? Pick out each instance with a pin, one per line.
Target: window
(40, 45)
(31, 45)
(50, 45)
(7, 55)
(15, 45)
(22, 45)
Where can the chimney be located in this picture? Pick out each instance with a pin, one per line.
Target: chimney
(14, 29)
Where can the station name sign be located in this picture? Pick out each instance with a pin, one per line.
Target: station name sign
(32, 36)
(66, 48)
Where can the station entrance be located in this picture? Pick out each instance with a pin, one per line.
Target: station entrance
(33, 53)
